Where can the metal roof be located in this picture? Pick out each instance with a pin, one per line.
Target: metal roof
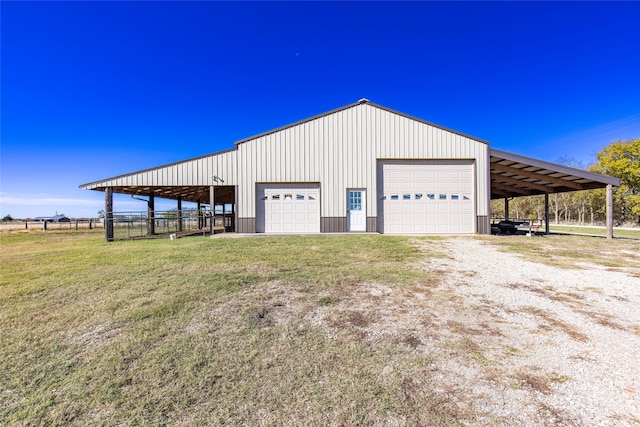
(186, 193)
(513, 175)
(355, 104)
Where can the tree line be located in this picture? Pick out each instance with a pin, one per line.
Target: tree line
(620, 159)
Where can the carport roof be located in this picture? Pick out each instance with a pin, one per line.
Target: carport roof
(187, 193)
(513, 175)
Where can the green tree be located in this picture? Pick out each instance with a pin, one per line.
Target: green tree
(7, 218)
(622, 160)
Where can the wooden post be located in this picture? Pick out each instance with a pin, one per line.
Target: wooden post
(233, 215)
(212, 204)
(179, 214)
(108, 214)
(506, 208)
(546, 213)
(151, 222)
(44, 226)
(224, 218)
(609, 211)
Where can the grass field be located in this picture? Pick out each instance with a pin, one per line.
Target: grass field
(197, 331)
(595, 231)
(200, 331)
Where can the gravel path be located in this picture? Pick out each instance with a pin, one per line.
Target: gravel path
(555, 346)
(521, 343)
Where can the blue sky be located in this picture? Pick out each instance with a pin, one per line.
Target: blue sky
(91, 90)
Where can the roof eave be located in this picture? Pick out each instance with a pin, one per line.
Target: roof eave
(605, 179)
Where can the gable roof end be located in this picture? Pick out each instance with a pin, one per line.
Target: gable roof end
(362, 101)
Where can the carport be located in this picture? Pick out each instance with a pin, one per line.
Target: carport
(513, 175)
(214, 195)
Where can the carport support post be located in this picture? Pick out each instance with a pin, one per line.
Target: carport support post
(108, 214)
(179, 213)
(212, 201)
(506, 208)
(609, 211)
(151, 222)
(546, 213)
(224, 217)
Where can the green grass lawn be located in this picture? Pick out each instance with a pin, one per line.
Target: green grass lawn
(571, 251)
(183, 332)
(595, 231)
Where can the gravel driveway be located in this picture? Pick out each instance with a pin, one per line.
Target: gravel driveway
(565, 343)
(520, 342)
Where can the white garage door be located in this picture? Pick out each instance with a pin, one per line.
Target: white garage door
(425, 197)
(288, 208)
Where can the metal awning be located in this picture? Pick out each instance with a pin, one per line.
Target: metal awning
(186, 193)
(513, 175)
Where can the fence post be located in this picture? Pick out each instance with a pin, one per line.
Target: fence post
(44, 226)
(108, 214)
(151, 220)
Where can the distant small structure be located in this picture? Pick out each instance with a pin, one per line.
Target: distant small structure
(55, 219)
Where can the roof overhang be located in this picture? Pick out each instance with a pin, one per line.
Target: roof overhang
(513, 175)
(187, 193)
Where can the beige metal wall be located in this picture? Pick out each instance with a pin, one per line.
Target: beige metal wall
(340, 150)
(197, 171)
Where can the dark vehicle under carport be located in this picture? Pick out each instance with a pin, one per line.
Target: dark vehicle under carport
(510, 226)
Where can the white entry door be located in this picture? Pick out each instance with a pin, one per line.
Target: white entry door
(356, 210)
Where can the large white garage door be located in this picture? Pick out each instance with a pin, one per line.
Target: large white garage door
(288, 208)
(426, 197)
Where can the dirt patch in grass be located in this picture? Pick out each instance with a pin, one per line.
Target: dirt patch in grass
(100, 335)
(410, 340)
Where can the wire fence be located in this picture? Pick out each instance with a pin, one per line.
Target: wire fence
(131, 225)
(72, 224)
(135, 224)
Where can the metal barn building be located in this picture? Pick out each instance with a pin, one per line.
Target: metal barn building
(362, 167)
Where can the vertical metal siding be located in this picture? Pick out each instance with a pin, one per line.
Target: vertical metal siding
(191, 172)
(333, 224)
(372, 224)
(483, 225)
(339, 151)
